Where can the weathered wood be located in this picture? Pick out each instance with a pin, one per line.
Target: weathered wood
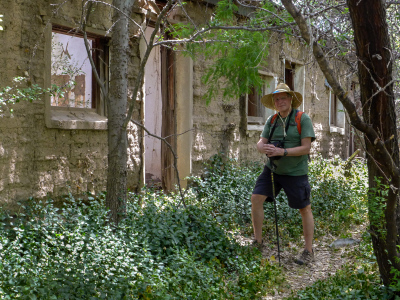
(168, 128)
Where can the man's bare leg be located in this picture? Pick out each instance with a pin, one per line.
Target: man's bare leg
(257, 215)
(308, 226)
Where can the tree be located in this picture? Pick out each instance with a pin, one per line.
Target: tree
(120, 114)
(117, 106)
(378, 121)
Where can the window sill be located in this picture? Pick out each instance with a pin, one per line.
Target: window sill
(78, 119)
(252, 127)
(334, 129)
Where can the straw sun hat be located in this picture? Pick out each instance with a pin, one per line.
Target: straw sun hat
(268, 100)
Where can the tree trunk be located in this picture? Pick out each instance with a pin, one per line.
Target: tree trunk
(116, 109)
(375, 72)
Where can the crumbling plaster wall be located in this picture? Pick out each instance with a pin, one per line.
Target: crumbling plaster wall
(36, 160)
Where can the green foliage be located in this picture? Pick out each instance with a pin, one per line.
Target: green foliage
(225, 12)
(158, 252)
(237, 47)
(237, 63)
(344, 197)
(377, 206)
(337, 201)
(70, 253)
(23, 90)
(162, 251)
(229, 182)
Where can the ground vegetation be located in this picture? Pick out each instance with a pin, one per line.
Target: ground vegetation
(163, 251)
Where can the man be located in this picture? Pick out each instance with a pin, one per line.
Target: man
(289, 164)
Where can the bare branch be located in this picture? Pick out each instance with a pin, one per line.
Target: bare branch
(164, 139)
(144, 61)
(85, 18)
(122, 13)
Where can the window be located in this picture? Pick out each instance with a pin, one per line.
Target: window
(80, 105)
(71, 70)
(257, 113)
(336, 114)
(289, 74)
(255, 110)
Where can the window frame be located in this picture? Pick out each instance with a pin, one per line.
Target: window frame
(257, 122)
(93, 118)
(334, 115)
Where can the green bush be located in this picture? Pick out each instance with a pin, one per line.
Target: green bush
(224, 190)
(159, 251)
(70, 253)
(225, 187)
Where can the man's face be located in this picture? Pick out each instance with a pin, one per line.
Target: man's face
(283, 102)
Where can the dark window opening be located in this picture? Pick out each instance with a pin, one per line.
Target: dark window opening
(289, 74)
(253, 100)
(334, 110)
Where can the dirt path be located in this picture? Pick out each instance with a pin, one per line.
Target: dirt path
(327, 261)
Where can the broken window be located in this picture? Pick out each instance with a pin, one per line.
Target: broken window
(289, 74)
(71, 69)
(257, 113)
(336, 114)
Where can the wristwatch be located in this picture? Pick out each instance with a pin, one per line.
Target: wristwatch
(284, 152)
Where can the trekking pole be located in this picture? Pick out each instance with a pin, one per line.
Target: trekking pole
(276, 216)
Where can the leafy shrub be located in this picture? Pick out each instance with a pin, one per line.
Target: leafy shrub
(162, 250)
(159, 251)
(224, 190)
(70, 254)
(201, 258)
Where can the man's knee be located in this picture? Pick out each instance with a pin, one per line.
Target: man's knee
(257, 199)
(306, 210)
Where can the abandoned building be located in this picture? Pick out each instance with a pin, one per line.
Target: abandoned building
(57, 145)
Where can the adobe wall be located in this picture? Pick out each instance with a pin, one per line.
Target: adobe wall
(36, 160)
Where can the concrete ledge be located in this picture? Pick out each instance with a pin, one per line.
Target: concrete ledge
(255, 127)
(66, 119)
(334, 129)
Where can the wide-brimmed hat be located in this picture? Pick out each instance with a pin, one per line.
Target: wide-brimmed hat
(268, 100)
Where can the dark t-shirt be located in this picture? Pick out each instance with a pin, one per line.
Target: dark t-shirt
(290, 165)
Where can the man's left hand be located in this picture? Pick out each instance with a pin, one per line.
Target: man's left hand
(272, 151)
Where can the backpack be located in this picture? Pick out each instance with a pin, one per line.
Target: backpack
(297, 119)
